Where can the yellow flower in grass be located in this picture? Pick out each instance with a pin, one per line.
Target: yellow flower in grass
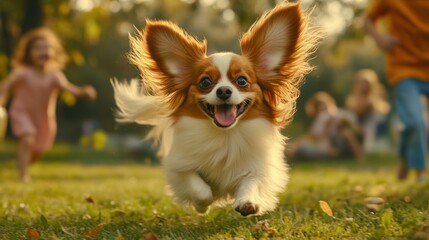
(99, 140)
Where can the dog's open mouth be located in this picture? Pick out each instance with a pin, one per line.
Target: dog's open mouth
(224, 115)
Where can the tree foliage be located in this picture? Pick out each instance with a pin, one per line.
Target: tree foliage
(95, 35)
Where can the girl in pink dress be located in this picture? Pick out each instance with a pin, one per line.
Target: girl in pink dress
(36, 80)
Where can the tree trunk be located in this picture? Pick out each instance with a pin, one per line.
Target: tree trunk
(33, 15)
(6, 36)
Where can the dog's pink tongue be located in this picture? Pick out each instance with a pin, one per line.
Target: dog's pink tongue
(225, 115)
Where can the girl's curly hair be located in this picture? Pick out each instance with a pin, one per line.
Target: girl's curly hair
(23, 58)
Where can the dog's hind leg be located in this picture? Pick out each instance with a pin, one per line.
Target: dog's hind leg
(191, 188)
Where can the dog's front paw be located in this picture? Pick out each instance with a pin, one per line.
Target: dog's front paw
(247, 208)
(201, 194)
(202, 200)
(201, 209)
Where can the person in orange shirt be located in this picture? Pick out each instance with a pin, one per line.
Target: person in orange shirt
(36, 79)
(406, 45)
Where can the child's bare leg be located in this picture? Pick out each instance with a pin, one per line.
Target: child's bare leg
(352, 143)
(24, 156)
(35, 156)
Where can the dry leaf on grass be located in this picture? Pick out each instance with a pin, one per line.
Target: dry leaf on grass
(89, 199)
(326, 208)
(265, 227)
(95, 230)
(425, 228)
(374, 200)
(407, 199)
(372, 207)
(151, 236)
(33, 233)
(67, 231)
(421, 236)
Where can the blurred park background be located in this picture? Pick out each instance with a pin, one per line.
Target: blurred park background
(92, 183)
(95, 35)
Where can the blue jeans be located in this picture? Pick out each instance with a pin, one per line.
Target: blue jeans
(409, 107)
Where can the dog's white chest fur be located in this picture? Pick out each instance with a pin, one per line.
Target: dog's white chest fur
(224, 159)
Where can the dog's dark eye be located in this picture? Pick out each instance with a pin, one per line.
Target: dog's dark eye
(205, 83)
(241, 81)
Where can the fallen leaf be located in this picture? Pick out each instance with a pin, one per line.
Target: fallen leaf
(407, 199)
(425, 228)
(151, 236)
(326, 208)
(95, 230)
(372, 207)
(421, 236)
(263, 224)
(33, 233)
(265, 227)
(66, 231)
(89, 199)
(374, 200)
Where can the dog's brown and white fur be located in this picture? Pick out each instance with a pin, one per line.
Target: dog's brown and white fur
(218, 117)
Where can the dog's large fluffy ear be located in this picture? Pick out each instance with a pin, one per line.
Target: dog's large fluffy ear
(278, 46)
(165, 55)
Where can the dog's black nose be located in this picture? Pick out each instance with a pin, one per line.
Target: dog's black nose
(224, 93)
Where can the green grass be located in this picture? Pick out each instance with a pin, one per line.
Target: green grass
(129, 199)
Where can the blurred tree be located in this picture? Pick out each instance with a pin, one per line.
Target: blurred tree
(95, 35)
(33, 15)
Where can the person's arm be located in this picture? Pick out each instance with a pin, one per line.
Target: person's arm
(385, 41)
(86, 91)
(6, 86)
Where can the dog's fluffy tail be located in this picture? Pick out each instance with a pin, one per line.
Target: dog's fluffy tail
(133, 105)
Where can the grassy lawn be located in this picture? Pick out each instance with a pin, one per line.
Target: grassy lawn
(71, 193)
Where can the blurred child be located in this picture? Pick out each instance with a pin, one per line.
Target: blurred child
(36, 80)
(368, 101)
(332, 133)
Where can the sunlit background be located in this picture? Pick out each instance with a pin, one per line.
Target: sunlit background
(95, 35)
